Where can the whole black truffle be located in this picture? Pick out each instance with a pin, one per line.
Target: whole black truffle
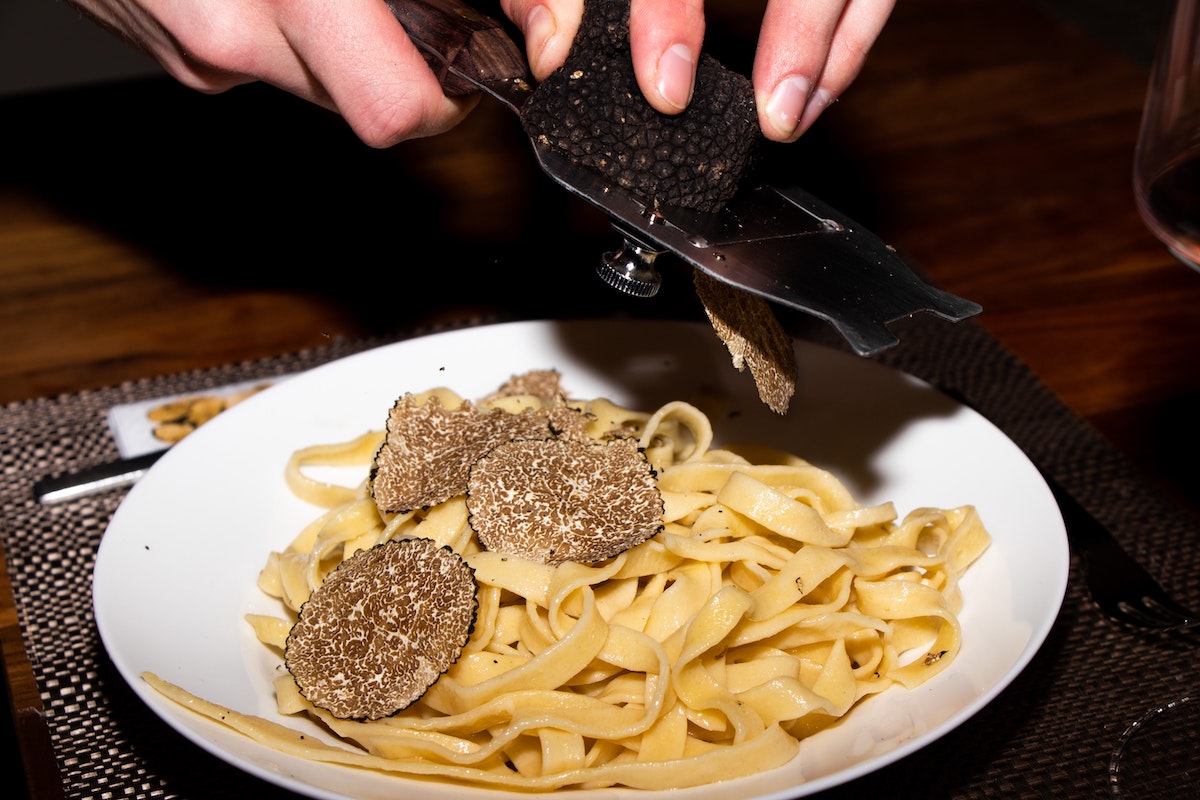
(592, 111)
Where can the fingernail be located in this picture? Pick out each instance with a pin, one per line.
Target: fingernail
(819, 101)
(676, 71)
(539, 28)
(787, 103)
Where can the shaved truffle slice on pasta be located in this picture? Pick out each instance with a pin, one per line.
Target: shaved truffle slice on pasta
(382, 628)
(545, 384)
(429, 449)
(556, 500)
(754, 338)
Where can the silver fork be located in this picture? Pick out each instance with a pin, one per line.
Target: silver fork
(1119, 585)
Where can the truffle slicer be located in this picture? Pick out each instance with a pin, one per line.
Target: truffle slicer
(780, 243)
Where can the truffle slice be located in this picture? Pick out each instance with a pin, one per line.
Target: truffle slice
(382, 628)
(592, 112)
(429, 449)
(557, 500)
(545, 384)
(754, 338)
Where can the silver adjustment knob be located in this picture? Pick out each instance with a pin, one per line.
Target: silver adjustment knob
(631, 269)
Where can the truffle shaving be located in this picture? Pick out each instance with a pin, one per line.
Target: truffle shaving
(428, 451)
(754, 338)
(382, 628)
(557, 500)
(545, 384)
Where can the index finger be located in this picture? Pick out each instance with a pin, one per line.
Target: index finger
(373, 74)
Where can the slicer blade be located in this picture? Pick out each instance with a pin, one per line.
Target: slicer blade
(784, 245)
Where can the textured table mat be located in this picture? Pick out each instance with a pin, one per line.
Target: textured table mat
(1049, 734)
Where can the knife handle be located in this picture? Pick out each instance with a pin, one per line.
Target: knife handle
(462, 46)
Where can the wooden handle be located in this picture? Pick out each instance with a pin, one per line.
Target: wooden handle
(463, 46)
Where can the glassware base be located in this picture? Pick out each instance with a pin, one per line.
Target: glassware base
(1170, 206)
(1158, 756)
(1185, 260)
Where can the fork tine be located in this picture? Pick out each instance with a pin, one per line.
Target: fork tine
(1151, 613)
(1124, 590)
(1118, 584)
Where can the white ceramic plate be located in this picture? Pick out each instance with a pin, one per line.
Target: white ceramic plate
(176, 570)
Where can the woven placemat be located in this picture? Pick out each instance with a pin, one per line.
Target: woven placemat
(1048, 734)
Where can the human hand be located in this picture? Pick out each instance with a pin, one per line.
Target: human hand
(350, 56)
(809, 51)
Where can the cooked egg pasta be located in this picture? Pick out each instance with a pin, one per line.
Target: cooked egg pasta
(770, 604)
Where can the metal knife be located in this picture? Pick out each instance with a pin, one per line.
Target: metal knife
(780, 243)
(93, 480)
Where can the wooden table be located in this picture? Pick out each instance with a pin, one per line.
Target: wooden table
(146, 229)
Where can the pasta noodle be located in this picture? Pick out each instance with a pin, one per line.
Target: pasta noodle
(769, 605)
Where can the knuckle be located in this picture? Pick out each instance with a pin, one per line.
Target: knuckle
(217, 44)
(385, 118)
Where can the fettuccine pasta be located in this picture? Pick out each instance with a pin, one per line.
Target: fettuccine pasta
(769, 605)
